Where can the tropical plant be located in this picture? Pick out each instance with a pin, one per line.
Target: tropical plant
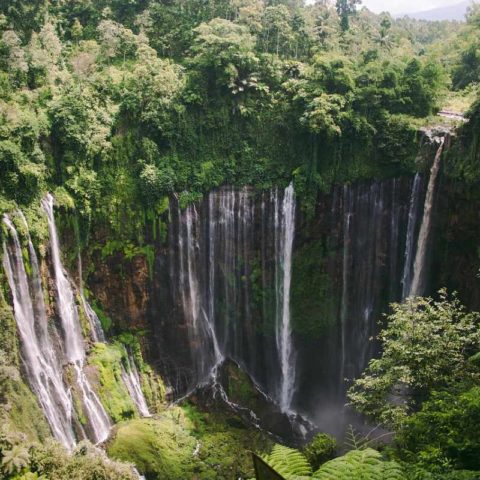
(360, 464)
(288, 462)
(426, 345)
(15, 459)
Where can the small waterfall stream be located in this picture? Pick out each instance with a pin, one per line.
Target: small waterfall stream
(418, 281)
(131, 379)
(74, 348)
(95, 326)
(413, 212)
(43, 370)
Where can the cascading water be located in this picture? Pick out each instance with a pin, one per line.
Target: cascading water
(38, 355)
(418, 282)
(74, 348)
(413, 213)
(131, 379)
(284, 230)
(347, 202)
(95, 326)
(214, 260)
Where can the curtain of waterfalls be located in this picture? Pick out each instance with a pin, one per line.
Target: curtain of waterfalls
(213, 254)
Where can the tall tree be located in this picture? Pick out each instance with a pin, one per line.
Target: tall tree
(345, 8)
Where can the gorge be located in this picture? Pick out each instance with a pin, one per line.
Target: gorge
(224, 274)
(238, 239)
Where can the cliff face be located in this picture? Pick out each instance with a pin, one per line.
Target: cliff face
(206, 283)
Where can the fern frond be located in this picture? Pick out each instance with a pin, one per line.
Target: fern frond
(367, 463)
(289, 463)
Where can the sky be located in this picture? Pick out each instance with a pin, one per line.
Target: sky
(401, 6)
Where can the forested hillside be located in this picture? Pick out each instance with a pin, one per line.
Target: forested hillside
(233, 223)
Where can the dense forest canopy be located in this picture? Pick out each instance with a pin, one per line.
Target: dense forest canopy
(130, 101)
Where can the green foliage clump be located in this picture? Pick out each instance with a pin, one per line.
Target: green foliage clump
(313, 302)
(111, 389)
(240, 387)
(23, 460)
(19, 409)
(367, 463)
(414, 361)
(160, 447)
(443, 435)
(320, 449)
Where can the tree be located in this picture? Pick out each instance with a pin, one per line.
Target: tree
(346, 8)
(225, 52)
(427, 345)
(15, 459)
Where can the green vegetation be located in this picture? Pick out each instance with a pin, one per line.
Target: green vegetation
(22, 460)
(425, 386)
(320, 449)
(428, 345)
(111, 389)
(115, 107)
(186, 443)
(362, 464)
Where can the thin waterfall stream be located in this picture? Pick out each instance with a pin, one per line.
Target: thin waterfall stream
(418, 282)
(285, 231)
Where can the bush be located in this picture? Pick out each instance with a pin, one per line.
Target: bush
(321, 449)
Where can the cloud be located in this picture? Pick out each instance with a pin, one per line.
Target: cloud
(402, 6)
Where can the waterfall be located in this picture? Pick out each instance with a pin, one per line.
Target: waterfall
(95, 325)
(410, 239)
(38, 355)
(197, 312)
(213, 258)
(74, 348)
(347, 202)
(418, 282)
(210, 319)
(131, 379)
(284, 230)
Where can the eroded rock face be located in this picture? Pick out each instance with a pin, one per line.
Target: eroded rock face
(123, 288)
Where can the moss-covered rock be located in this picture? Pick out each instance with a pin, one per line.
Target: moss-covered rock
(185, 443)
(160, 448)
(313, 301)
(111, 390)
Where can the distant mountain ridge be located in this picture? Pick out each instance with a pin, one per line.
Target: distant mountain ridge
(450, 12)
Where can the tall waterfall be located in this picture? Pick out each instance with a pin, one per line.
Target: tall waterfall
(43, 370)
(418, 282)
(413, 213)
(347, 202)
(284, 232)
(213, 258)
(74, 348)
